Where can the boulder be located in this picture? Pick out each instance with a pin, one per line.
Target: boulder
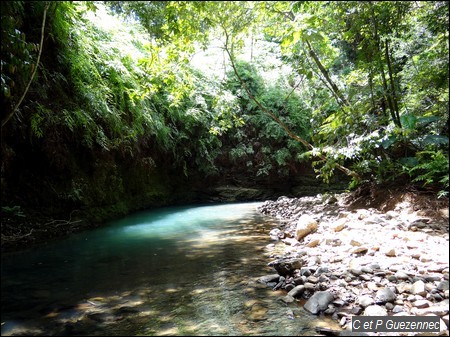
(297, 291)
(285, 267)
(385, 295)
(305, 225)
(269, 278)
(319, 302)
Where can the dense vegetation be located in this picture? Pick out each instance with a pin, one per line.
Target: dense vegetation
(102, 108)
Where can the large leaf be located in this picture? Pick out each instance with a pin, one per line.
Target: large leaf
(409, 161)
(423, 121)
(435, 140)
(408, 121)
(386, 143)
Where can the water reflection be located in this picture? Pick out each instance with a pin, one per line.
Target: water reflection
(172, 271)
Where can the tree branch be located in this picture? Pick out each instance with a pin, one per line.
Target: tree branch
(273, 116)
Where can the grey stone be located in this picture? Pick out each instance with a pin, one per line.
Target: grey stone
(312, 279)
(285, 267)
(319, 302)
(389, 306)
(356, 310)
(385, 295)
(439, 309)
(398, 308)
(401, 275)
(365, 301)
(443, 286)
(355, 271)
(367, 270)
(365, 277)
(445, 320)
(321, 270)
(304, 271)
(289, 287)
(421, 304)
(287, 299)
(269, 278)
(432, 278)
(297, 291)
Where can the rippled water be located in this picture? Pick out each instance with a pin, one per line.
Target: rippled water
(171, 271)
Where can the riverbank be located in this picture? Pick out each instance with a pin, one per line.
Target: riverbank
(372, 252)
(24, 227)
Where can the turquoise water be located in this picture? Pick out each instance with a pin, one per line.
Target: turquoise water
(172, 271)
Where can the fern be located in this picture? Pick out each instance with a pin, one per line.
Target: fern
(432, 170)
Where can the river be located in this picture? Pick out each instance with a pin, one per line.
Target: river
(188, 270)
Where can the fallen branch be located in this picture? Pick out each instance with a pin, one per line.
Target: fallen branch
(16, 237)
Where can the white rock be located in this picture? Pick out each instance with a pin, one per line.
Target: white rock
(305, 225)
(375, 310)
(340, 224)
(418, 288)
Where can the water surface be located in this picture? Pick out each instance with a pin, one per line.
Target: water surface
(172, 271)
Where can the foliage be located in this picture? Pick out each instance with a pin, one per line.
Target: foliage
(431, 169)
(381, 75)
(263, 146)
(19, 50)
(366, 83)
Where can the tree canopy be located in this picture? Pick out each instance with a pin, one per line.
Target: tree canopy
(358, 86)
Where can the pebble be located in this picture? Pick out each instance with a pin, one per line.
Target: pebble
(370, 262)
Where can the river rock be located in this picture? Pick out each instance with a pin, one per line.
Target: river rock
(287, 299)
(421, 304)
(418, 288)
(305, 225)
(439, 309)
(443, 286)
(285, 267)
(276, 234)
(365, 301)
(269, 278)
(319, 302)
(373, 261)
(398, 308)
(375, 310)
(297, 291)
(257, 312)
(340, 224)
(385, 295)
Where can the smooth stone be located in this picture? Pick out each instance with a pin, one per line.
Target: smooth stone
(375, 310)
(319, 302)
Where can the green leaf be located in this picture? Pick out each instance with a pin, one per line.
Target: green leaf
(423, 121)
(296, 36)
(408, 121)
(409, 161)
(435, 140)
(386, 143)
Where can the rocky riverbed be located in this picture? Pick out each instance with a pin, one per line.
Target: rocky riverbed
(343, 258)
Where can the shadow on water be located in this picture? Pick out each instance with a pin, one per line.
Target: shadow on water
(172, 271)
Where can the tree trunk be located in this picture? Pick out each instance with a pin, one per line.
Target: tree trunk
(289, 132)
(391, 79)
(325, 74)
(386, 93)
